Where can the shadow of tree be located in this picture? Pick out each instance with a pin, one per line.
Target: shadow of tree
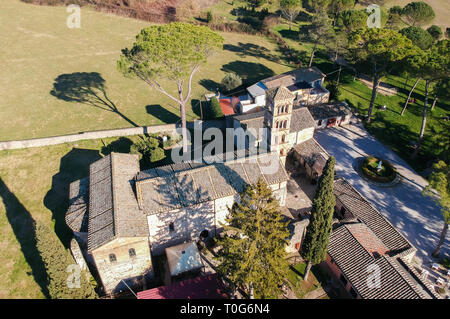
(122, 145)
(73, 166)
(251, 49)
(250, 72)
(23, 226)
(162, 113)
(87, 88)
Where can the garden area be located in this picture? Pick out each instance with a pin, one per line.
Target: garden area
(301, 287)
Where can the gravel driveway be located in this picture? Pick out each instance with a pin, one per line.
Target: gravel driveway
(416, 216)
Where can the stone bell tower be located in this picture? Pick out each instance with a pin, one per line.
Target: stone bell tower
(277, 120)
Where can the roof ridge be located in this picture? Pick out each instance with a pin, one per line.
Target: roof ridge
(378, 212)
(113, 205)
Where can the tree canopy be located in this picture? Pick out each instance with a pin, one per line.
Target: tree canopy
(351, 20)
(439, 181)
(290, 9)
(174, 52)
(435, 31)
(318, 232)
(418, 13)
(383, 49)
(253, 249)
(418, 36)
(57, 260)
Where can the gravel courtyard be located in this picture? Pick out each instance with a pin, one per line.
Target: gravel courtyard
(416, 216)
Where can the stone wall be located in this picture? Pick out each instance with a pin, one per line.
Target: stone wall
(189, 222)
(130, 269)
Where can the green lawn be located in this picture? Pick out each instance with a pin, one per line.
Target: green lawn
(396, 131)
(301, 287)
(37, 47)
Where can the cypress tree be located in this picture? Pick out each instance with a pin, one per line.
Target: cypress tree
(317, 237)
(253, 252)
(56, 260)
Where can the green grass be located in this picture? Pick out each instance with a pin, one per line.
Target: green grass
(396, 131)
(301, 287)
(38, 47)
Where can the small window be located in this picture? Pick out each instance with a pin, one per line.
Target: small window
(112, 258)
(171, 227)
(132, 252)
(320, 122)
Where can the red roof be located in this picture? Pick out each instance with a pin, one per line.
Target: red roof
(227, 108)
(202, 287)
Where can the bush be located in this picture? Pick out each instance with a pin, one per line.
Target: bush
(369, 170)
(435, 32)
(156, 155)
(335, 92)
(209, 17)
(215, 109)
(231, 81)
(145, 146)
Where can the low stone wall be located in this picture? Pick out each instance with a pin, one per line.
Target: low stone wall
(54, 140)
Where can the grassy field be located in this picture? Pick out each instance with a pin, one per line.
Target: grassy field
(38, 47)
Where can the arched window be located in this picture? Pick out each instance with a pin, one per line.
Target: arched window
(277, 124)
(283, 138)
(282, 152)
(285, 124)
(171, 227)
(132, 252)
(112, 258)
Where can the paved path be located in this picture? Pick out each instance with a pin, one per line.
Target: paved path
(418, 218)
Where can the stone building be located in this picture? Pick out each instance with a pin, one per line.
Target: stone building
(124, 216)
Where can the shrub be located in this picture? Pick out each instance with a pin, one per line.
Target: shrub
(215, 109)
(156, 155)
(231, 81)
(57, 260)
(144, 146)
(335, 92)
(435, 32)
(209, 17)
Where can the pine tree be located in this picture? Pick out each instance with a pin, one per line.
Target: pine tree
(317, 237)
(253, 252)
(57, 260)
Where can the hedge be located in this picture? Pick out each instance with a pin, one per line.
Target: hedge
(370, 172)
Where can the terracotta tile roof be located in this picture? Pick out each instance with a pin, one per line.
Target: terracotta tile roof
(324, 111)
(301, 119)
(208, 182)
(355, 262)
(289, 78)
(311, 151)
(359, 207)
(227, 108)
(280, 93)
(202, 287)
(113, 210)
(77, 213)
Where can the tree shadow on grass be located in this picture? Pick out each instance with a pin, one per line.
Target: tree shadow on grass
(23, 226)
(87, 88)
(161, 113)
(122, 145)
(251, 49)
(73, 166)
(250, 72)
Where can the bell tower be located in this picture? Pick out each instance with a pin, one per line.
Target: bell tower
(277, 120)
